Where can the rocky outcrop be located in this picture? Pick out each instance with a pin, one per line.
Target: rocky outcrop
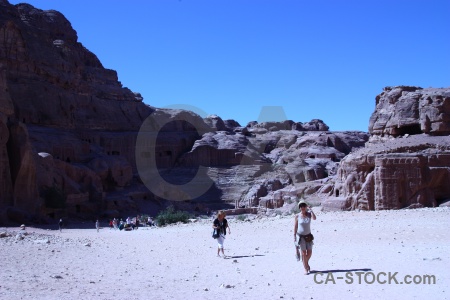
(216, 123)
(67, 84)
(394, 174)
(231, 124)
(406, 163)
(23, 170)
(75, 142)
(57, 99)
(313, 125)
(266, 165)
(404, 110)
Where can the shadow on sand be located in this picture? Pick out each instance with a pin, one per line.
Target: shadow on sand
(340, 271)
(243, 256)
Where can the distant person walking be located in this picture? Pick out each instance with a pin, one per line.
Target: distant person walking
(302, 229)
(97, 225)
(60, 224)
(221, 224)
(136, 223)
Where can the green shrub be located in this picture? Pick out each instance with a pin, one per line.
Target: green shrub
(170, 216)
(241, 217)
(54, 198)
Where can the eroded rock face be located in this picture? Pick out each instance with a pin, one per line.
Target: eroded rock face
(55, 81)
(23, 169)
(313, 125)
(267, 165)
(231, 124)
(56, 97)
(216, 123)
(406, 162)
(6, 110)
(6, 186)
(75, 112)
(411, 110)
(69, 129)
(385, 176)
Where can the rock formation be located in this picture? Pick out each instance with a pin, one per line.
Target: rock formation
(406, 163)
(411, 110)
(70, 147)
(75, 143)
(57, 99)
(268, 165)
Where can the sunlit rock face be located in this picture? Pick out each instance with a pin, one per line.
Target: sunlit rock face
(411, 110)
(406, 162)
(57, 98)
(69, 132)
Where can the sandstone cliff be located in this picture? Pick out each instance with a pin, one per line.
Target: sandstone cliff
(411, 110)
(55, 97)
(75, 143)
(70, 137)
(406, 163)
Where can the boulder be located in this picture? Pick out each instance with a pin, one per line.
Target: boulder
(231, 124)
(216, 123)
(315, 125)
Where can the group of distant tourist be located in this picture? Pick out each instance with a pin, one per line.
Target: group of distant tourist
(128, 224)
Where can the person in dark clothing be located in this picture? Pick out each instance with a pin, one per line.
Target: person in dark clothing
(136, 223)
(221, 224)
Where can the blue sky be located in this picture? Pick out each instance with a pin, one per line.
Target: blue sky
(315, 59)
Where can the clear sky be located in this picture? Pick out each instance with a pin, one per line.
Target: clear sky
(324, 59)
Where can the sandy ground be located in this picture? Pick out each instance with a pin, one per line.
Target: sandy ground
(179, 262)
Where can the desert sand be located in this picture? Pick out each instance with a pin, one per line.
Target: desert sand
(180, 262)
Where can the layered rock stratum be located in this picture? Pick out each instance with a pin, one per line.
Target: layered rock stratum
(406, 162)
(75, 143)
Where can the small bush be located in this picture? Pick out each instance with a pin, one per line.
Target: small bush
(170, 216)
(241, 217)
